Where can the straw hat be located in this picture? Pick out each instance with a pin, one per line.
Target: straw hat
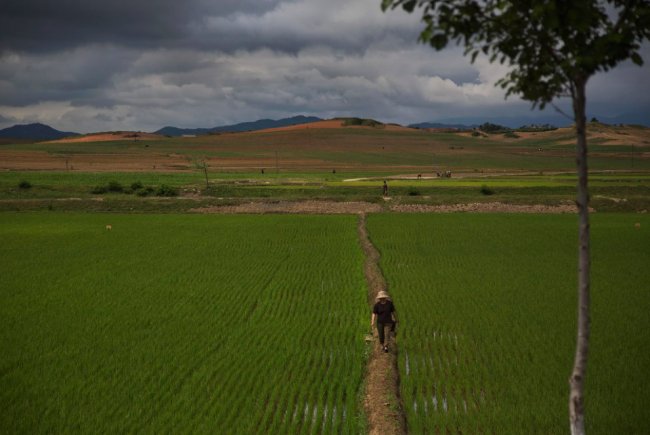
(382, 294)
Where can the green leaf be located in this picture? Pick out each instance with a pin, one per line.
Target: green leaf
(638, 60)
(408, 5)
(426, 34)
(386, 4)
(439, 41)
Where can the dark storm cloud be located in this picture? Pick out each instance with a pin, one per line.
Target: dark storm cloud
(46, 25)
(624, 89)
(92, 66)
(227, 25)
(79, 75)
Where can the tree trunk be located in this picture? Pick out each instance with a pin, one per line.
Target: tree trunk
(576, 381)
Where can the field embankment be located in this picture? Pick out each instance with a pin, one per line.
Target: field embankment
(382, 398)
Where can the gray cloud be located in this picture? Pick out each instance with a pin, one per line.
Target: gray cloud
(342, 25)
(45, 25)
(92, 65)
(6, 121)
(225, 25)
(625, 89)
(80, 75)
(198, 88)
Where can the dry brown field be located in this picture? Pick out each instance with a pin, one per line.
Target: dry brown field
(329, 146)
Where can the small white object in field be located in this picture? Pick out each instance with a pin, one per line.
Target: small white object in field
(637, 225)
(109, 227)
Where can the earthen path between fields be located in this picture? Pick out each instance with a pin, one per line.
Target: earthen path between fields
(382, 400)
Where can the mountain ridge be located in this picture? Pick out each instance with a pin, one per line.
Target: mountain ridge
(34, 131)
(260, 124)
(42, 132)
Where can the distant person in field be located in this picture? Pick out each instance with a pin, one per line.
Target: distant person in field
(383, 316)
(385, 191)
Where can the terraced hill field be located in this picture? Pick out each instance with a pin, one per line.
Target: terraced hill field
(326, 146)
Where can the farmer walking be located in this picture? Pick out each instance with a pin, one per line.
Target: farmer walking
(385, 189)
(384, 316)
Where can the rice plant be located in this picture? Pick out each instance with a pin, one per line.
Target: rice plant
(181, 324)
(487, 311)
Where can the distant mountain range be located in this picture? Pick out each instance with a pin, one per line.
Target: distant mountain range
(468, 123)
(34, 132)
(41, 132)
(442, 125)
(557, 120)
(261, 124)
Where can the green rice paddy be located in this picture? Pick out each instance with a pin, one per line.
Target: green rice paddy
(255, 324)
(487, 305)
(181, 324)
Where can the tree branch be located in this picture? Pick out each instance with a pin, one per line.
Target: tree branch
(562, 112)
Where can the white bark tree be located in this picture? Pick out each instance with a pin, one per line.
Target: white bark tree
(553, 49)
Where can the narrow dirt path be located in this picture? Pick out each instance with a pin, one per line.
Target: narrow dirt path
(382, 400)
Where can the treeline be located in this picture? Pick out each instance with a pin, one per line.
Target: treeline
(365, 122)
(488, 127)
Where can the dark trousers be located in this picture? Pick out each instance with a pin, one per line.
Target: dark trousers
(381, 330)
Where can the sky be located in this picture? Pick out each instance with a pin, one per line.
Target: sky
(89, 65)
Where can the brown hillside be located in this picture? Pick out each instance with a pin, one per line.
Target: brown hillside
(598, 133)
(330, 124)
(328, 146)
(105, 137)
